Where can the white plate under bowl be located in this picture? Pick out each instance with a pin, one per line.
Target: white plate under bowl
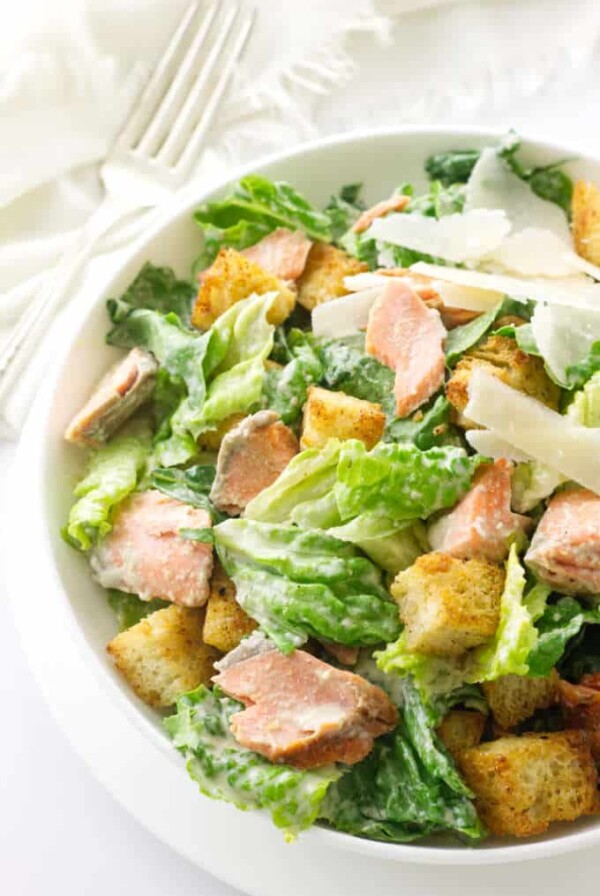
(65, 620)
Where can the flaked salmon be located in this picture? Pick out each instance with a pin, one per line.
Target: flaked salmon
(407, 336)
(282, 253)
(145, 554)
(565, 550)
(119, 393)
(251, 457)
(482, 524)
(394, 204)
(303, 712)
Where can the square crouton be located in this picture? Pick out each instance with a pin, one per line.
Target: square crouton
(501, 357)
(522, 784)
(448, 605)
(225, 623)
(585, 208)
(323, 275)
(337, 415)
(164, 655)
(231, 278)
(513, 698)
(461, 729)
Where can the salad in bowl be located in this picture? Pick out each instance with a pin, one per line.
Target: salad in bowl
(342, 491)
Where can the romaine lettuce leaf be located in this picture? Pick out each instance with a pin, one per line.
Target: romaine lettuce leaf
(429, 427)
(224, 770)
(255, 207)
(192, 486)
(298, 584)
(112, 472)
(343, 209)
(462, 338)
(348, 369)
(560, 622)
(452, 167)
(393, 546)
(399, 481)
(407, 787)
(157, 289)
(131, 609)
(285, 389)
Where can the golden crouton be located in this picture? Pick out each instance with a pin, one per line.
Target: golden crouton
(523, 783)
(226, 623)
(585, 210)
(233, 277)
(163, 656)
(501, 357)
(513, 698)
(335, 414)
(461, 729)
(212, 438)
(448, 605)
(323, 276)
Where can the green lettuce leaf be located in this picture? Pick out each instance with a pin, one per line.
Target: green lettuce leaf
(224, 770)
(131, 609)
(399, 481)
(157, 289)
(452, 167)
(286, 389)
(429, 427)
(582, 654)
(560, 622)
(407, 787)
(298, 584)
(113, 471)
(348, 369)
(192, 486)
(391, 545)
(343, 209)
(255, 207)
(462, 338)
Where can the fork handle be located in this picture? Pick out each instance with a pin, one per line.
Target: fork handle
(44, 305)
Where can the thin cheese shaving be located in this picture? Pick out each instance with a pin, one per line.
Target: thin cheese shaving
(571, 292)
(491, 445)
(529, 426)
(564, 336)
(535, 252)
(346, 315)
(492, 185)
(456, 237)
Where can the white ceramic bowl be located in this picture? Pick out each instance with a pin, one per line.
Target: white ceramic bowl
(66, 621)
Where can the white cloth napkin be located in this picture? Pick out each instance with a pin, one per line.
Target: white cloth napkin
(69, 72)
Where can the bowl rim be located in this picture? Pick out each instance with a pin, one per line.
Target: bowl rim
(39, 420)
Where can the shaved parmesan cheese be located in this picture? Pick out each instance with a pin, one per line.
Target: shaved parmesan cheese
(346, 315)
(458, 238)
(358, 282)
(564, 336)
(492, 185)
(535, 252)
(572, 292)
(454, 295)
(486, 442)
(550, 438)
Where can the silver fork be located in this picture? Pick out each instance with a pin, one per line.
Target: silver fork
(152, 155)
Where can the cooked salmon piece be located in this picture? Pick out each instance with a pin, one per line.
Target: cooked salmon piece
(407, 336)
(394, 204)
(303, 712)
(343, 653)
(565, 550)
(282, 253)
(482, 524)
(119, 393)
(145, 554)
(251, 457)
(425, 288)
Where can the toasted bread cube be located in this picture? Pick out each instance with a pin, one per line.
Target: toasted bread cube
(323, 275)
(461, 729)
(448, 605)
(522, 784)
(164, 655)
(501, 357)
(231, 278)
(513, 698)
(337, 415)
(585, 208)
(225, 623)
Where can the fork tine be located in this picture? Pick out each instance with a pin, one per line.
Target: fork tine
(191, 147)
(177, 90)
(192, 107)
(158, 83)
